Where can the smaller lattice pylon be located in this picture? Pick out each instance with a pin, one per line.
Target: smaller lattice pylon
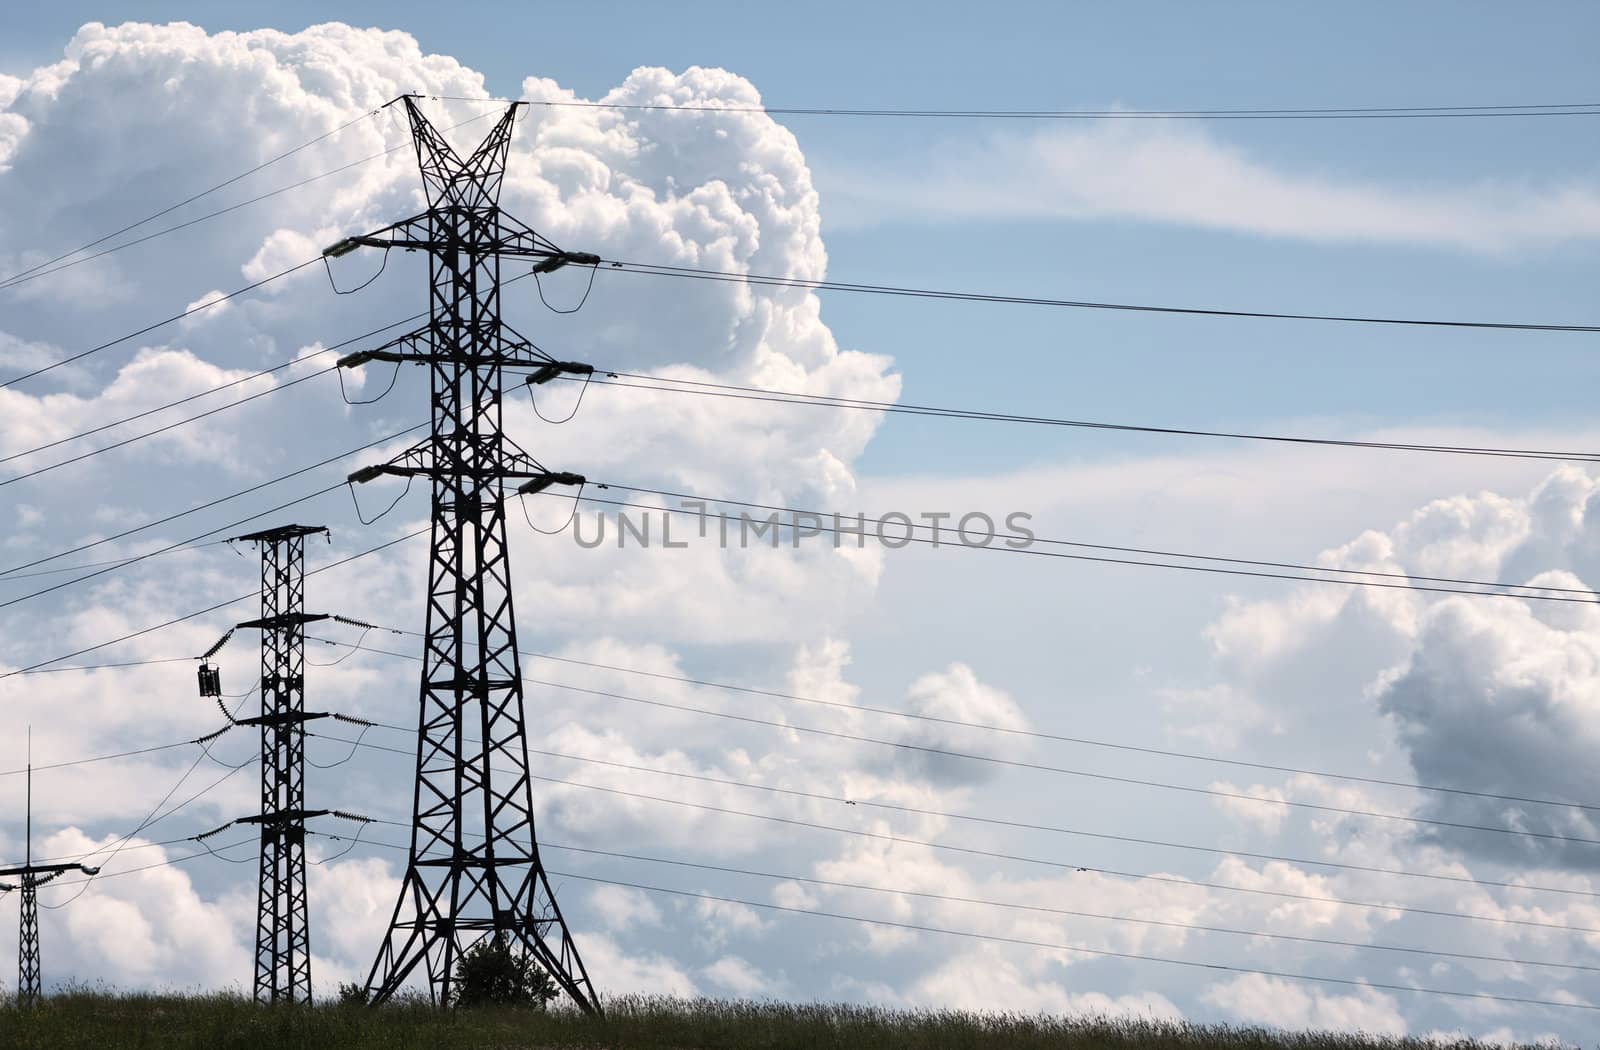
(30, 877)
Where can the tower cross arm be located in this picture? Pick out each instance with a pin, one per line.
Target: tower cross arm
(52, 870)
(492, 232)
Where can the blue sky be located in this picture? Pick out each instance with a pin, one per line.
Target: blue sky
(1477, 219)
(1042, 55)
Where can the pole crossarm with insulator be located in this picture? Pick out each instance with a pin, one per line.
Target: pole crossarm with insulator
(474, 869)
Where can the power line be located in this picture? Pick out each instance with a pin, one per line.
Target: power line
(220, 387)
(1045, 910)
(209, 504)
(1009, 731)
(210, 390)
(695, 273)
(102, 667)
(201, 612)
(115, 562)
(968, 817)
(276, 388)
(208, 304)
(1559, 109)
(31, 275)
(1023, 859)
(1338, 576)
(188, 200)
(170, 861)
(786, 397)
(181, 545)
(107, 758)
(988, 902)
(1022, 825)
(1098, 952)
(156, 816)
(1040, 766)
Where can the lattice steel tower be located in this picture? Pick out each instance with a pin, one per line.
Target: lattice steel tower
(283, 938)
(474, 869)
(31, 877)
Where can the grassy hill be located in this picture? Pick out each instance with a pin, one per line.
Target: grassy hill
(97, 1021)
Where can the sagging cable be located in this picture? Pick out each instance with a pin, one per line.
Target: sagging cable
(364, 475)
(393, 378)
(345, 247)
(593, 266)
(554, 370)
(354, 744)
(536, 485)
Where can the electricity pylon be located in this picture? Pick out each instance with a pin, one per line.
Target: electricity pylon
(31, 877)
(474, 869)
(283, 937)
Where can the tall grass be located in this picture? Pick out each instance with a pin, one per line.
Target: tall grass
(99, 1020)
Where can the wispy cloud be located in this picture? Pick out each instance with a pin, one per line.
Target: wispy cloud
(1183, 176)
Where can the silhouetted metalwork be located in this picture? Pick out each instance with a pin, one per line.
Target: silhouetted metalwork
(283, 937)
(474, 868)
(30, 877)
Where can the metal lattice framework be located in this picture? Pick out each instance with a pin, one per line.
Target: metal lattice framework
(30, 877)
(474, 869)
(283, 939)
(28, 976)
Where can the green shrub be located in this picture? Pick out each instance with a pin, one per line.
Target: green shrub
(491, 973)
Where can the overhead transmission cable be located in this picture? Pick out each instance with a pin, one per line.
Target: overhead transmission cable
(188, 544)
(1059, 865)
(1029, 734)
(36, 272)
(1054, 946)
(1036, 909)
(201, 612)
(190, 311)
(155, 815)
(1040, 767)
(190, 199)
(291, 363)
(275, 388)
(211, 390)
(696, 273)
(1095, 952)
(207, 505)
(1342, 577)
(817, 796)
(1556, 109)
(670, 385)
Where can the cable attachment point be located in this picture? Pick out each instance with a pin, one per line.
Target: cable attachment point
(551, 263)
(546, 372)
(214, 831)
(217, 648)
(540, 482)
(364, 475)
(213, 735)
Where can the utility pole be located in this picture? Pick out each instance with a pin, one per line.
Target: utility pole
(474, 870)
(31, 877)
(283, 938)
